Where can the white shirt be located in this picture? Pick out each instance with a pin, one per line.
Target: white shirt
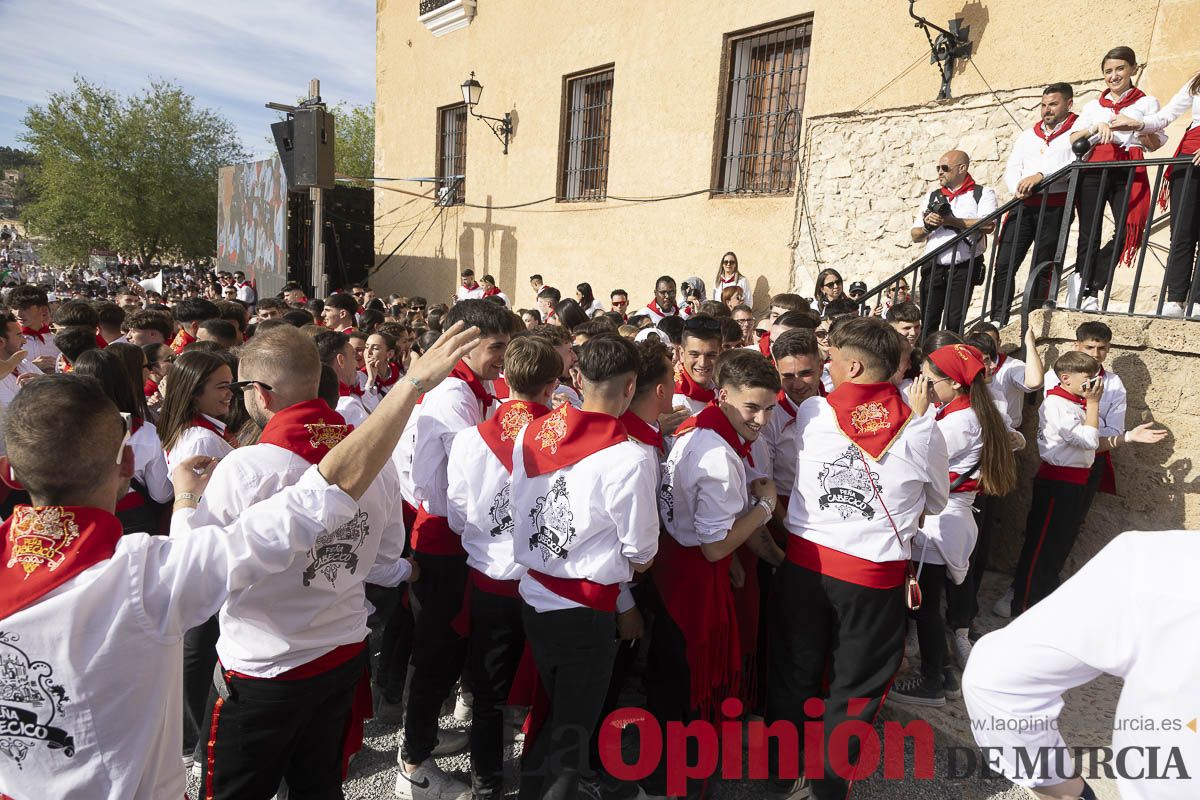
(402, 457)
(833, 503)
(35, 349)
(112, 638)
(196, 441)
(656, 315)
(8, 390)
(948, 537)
(1094, 113)
(704, 489)
(1031, 155)
(594, 519)
(245, 293)
(479, 507)
(693, 407)
(352, 410)
(150, 464)
(740, 281)
(1063, 440)
(1008, 389)
(463, 293)
(779, 436)
(1127, 613)
(964, 207)
(446, 409)
(1177, 106)
(1113, 401)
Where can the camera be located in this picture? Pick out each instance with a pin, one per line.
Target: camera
(689, 291)
(939, 205)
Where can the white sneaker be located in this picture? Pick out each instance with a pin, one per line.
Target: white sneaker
(1003, 607)
(462, 706)
(1173, 310)
(449, 742)
(962, 647)
(428, 782)
(1089, 303)
(912, 645)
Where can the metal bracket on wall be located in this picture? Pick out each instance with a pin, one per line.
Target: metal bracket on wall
(946, 48)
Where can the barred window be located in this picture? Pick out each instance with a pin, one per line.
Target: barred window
(452, 155)
(587, 118)
(767, 71)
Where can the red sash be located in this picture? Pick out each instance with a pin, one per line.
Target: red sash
(1188, 145)
(1138, 212)
(596, 596)
(688, 387)
(1053, 472)
(468, 376)
(40, 334)
(432, 535)
(200, 421)
(309, 429)
(845, 567)
(641, 430)
(46, 546)
(870, 414)
(500, 432)
(712, 418)
(567, 436)
(182, 340)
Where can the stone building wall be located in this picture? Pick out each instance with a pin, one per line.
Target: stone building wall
(1158, 485)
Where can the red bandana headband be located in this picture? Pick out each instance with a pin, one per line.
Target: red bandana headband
(958, 362)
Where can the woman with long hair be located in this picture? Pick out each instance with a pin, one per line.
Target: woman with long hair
(954, 377)
(1185, 202)
(151, 482)
(587, 301)
(730, 275)
(380, 370)
(195, 407)
(1094, 263)
(137, 365)
(829, 288)
(569, 314)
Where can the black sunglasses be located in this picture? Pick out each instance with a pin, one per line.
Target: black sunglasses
(944, 168)
(702, 324)
(241, 386)
(831, 284)
(733, 263)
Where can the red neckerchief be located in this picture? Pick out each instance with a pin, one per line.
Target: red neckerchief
(712, 418)
(500, 388)
(1000, 359)
(344, 390)
(100, 342)
(641, 430)
(43, 547)
(348, 331)
(1039, 130)
(653, 306)
(784, 402)
(500, 432)
(764, 345)
(201, 421)
(39, 334)
(149, 388)
(468, 376)
(390, 380)
(957, 404)
(474, 285)
(492, 292)
(870, 414)
(1058, 391)
(567, 436)
(309, 429)
(967, 185)
(1131, 97)
(181, 340)
(687, 387)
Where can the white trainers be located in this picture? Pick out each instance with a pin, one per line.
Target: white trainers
(1089, 303)
(1173, 310)
(462, 706)
(962, 647)
(1003, 607)
(449, 742)
(429, 782)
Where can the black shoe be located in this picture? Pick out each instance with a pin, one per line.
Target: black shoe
(950, 684)
(918, 691)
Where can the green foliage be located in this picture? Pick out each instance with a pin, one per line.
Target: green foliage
(354, 136)
(136, 174)
(12, 158)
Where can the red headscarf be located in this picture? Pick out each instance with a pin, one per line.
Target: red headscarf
(958, 362)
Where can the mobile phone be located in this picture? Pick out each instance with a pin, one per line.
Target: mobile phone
(1090, 382)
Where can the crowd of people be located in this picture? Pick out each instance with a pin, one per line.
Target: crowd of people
(239, 527)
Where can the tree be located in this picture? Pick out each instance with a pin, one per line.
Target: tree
(136, 174)
(354, 140)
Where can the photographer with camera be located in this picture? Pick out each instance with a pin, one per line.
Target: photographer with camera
(958, 204)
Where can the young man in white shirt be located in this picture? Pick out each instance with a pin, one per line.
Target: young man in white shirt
(585, 516)
(478, 499)
(463, 401)
(698, 352)
(106, 613)
(945, 285)
(664, 303)
(1037, 153)
(340, 313)
(337, 352)
(868, 468)
(31, 306)
(468, 288)
(292, 645)
(799, 363)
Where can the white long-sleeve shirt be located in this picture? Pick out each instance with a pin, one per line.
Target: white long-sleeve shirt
(1130, 612)
(445, 410)
(197, 441)
(1094, 113)
(1177, 106)
(1063, 438)
(112, 638)
(1031, 155)
(1008, 390)
(964, 207)
(478, 502)
(704, 489)
(150, 463)
(1114, 401)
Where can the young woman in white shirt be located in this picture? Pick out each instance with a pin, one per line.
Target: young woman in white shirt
(197, 399)
(729, 275)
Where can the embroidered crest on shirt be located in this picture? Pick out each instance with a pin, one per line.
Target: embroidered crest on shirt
(39, 537)
(553, 431)
(666, 492)
(337, 550)
(553, 520)
(501, 513)
(870, 417)
(513, 419)
(29, 702)
(848, 485)
(324, 435)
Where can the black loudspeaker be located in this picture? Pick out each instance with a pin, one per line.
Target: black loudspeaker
(305, 143)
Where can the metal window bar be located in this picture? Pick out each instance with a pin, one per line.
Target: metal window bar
(430, 5)
(767, 77)
(1045, 282)
(589, 123)
(452, 156)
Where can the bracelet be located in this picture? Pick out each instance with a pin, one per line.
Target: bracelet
(190, 497)
(417, 384)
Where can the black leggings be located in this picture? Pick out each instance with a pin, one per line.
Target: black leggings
(1185, 231)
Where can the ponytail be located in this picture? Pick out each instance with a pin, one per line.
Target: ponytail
(997, 464)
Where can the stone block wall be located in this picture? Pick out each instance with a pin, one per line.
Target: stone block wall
(1158, 485)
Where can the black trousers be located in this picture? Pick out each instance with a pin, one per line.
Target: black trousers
(199, 658)
(574, 650)
(668, 695)
(1185, 232)
(438, 652)
(496, 643)
(391, 638)
(1093, 261)
(270, 731)
(945, 287)
(857, 631)
(962, 600)
(1055, 516)
(931, 623)
(1016, 237)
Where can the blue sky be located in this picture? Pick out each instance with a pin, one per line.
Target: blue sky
(232, 55)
